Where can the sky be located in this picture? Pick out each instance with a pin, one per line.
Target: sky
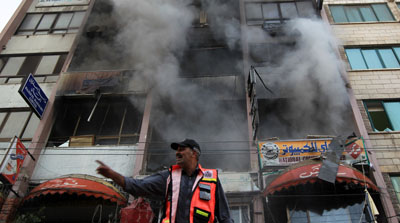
(7, 9)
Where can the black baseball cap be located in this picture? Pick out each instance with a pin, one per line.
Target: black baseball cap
(186, 143)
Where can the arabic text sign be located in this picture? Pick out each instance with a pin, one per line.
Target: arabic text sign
(34, 95)
(13, 161)
(289, 152)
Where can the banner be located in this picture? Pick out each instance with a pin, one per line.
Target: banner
(13, 160)
(284, 153)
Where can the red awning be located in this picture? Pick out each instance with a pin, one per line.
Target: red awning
(308, 173)
(81, 185)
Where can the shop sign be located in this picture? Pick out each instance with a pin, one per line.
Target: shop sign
(13, 160)
(34, 95)
(284, 153)
(46, 3)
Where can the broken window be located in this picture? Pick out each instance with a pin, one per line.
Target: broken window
(114, 121)
(361, 13)
(383, 115)
(13, 69)
(63, 22)
(277, 12)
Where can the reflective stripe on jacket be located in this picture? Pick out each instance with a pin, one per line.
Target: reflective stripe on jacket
(202, 206)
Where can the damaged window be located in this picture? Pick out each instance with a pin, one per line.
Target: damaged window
(113, 121)
(370, 58)
(383, 115)
(361, 13)
(64, 22)
(13, 69)
(277, 12)
(17, 123)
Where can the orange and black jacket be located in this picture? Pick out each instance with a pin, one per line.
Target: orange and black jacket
(202, 204)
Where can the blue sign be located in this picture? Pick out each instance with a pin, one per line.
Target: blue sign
(34, 95)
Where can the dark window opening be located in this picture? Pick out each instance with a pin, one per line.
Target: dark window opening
(115, 121)
(219, 61)
(218, 126)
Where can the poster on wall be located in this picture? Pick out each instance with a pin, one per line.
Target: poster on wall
(47, 3)
(13, 160)
(285, 153)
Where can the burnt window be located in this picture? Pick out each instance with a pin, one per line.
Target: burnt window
(114, 121)
(277, 12)
(14, 68)
(46, 23)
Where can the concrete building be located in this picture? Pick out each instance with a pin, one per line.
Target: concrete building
(375, 87)
(246, 79)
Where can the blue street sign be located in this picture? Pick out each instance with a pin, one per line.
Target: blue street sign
(34, 95)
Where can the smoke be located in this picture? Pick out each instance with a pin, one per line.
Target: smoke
(198, 89)
(308, 76)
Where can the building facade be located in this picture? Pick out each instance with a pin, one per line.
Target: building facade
(246, 79)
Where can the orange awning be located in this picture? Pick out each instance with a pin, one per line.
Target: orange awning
(80, 185)
(308, 173)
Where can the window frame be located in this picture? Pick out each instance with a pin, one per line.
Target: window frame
(24, 126)
(281, 19)
(394, 188)
(379, 56)
(240, 206)
(23, 70)
(52, 28)
(358, 7)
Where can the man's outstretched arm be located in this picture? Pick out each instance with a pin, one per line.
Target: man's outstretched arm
(106, 171)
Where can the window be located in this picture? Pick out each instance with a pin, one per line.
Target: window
(17, 123)
(396, 186)
(361, 13)
(278, 12)
(65, 22)
(240, 214)
(114, 121)
(370, 58)
(13, 69)
(383, 115)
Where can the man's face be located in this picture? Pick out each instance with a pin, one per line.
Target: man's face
(184, 156)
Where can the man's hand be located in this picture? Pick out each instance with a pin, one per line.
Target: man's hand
(106, 171)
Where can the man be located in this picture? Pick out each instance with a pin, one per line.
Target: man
(191, 193)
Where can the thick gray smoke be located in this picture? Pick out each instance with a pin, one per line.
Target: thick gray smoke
(308, 76)
(198, 89)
